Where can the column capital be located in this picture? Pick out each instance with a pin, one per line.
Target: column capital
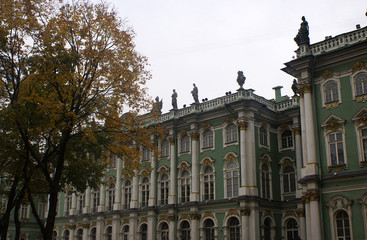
(195, 216)
(243, 125)
(245, 212)
(171, 140)
(300, 212)
(304, 88)
(296, 130)
(194, 135)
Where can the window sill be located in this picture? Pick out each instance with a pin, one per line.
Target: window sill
(337, 168)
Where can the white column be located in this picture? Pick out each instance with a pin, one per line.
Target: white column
(195, 226)
(153, 183)
(302, 221)
(172, 189)
(117, 203)
(87, 196)
(102, 192)
(250, 155)
(85, 232)
(151, 225)
(72, 234)
(73, 204)
(132, 226)
(134, 191)
(303, 129)
(308, 219)
(99, 228)
(115, 227)
(244, 174)
(298, 148)
(254, 229)
(171, 227)
(245, 224)
(315, 216)
(194, 196)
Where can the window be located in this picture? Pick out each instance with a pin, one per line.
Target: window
(292, 229)
(68, 203)
(145, 192)
(125, 233)
(108, 234)
(209, 231)
(234, 228)
(267, 229)
(146, 154)
(95, 200)
(42, 208)
(185, 186)
(231, 133)
(23, 211)
(54, 235)
(263, 136)
(165, 148)
(331, 92)
(342, 225)
(361, 84)
(208, 139)
(164, 189)
(144, 232)
(66, 235)
(287, 139)
(93, 234)
(208, 183)
(164, 231)
(80, 203)
(289, 180)
(110, 197)
(336, 148)
(184, 144)
(79, 234)
(364, 143)
(127, 194)
(185, 231)
(232, 180)
(265, 181)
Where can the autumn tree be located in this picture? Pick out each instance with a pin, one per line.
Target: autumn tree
(71, 94)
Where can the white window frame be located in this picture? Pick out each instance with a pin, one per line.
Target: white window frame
(163, 234)
(126, 197)
(184, 166)
(361, 125)
(80, 200)
(180, 138)
(207, 162)
(144, 187)
(334, 103)
(111, 194)
(164, 148)
(287, 162)
(180, 229)
(336, 204)
(207, 142)
(266, 161)
(226, 226)
(231, 170)
(166, 188)
(203, 228)
(280, 140)
(359, 98)
(95, 199)
(286, 230)
(68, 203)
(24, 211)
(146, 154)
(42, 208)
(266, 127)
(226, 134)
(125, 234)
(272, 227)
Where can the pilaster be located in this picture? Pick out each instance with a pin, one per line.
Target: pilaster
(117, 203)
(194, 196)
(172, 192)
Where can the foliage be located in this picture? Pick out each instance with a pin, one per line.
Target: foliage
(71, 96)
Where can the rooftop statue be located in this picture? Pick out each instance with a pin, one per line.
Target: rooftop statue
(157, 105)
(241, 79)
(295, 87)
(302, 36)
(195, 94)
(174, 99)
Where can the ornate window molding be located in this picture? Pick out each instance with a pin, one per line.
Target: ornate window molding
(288, 175)
(363, 202)
(163, 185)
(207, 137)
(126, 196)
(285, 138)
(268, 228)
(230, 134)
(359, 82)
(264, 135)
(331, 93)
(184, 182)
(291, 228)
(360, 122)
(209, 227)
(334, 134)
(125, 232)
(164, 148)
(231, 174)
(163, 230)
(207, 176)
(184, 231)
(144, 191)
(266, 177)
(339, 208)
(184, 143)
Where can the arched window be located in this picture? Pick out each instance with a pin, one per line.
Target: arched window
(209, 231)
(144, 232)
(127, 194)
(267, 229)
(95, 200)
(331, 92)
(208, 139)
(93, 234)
(342, 225)
(108, 233)
(289, 180)
(336, 148)
(361, 84)
(292, 229)
(185, 231)
(68, 203)
(164, 231)
(145, 192)
(79, 234)
(184, 144)
(54, 235)
(66, 235)
(231, 133)
(125, 232)
(208, 177)
(287, 139)
(111, 196)
(164, 189)
(232, 179)
(81, 200)
(165, 148)
(234, 228)
(185, 182)
(265, 181)
(145, 154)
(263, 136)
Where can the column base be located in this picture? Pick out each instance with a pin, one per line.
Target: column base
(194, 197)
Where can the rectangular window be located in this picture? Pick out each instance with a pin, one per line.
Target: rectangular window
(23, 212)
(336, 148)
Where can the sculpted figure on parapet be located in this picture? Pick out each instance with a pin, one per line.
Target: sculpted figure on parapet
(302, 36)
(174, 99)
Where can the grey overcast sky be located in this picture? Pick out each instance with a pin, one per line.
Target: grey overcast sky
(207, 41)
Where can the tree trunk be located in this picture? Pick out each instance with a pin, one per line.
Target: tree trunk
(4, 221)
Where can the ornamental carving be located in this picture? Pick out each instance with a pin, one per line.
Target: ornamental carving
(300, 212)
(339, 201)
(184, 166)
(360, 118)
(144, 173)
(184, 216)
(287, 162)
(265, 160)
(163, 170)
(358, 66)
(111, 179)
(267, 213)
(195, 216)
(306, 88)
(230, 158)
(70, 226)
(245, 212)
(183, 132)
(83, 225)
(125, 221)
(296, 130)
(232, 212)
(361, 98)
(207, 162)
(243, 125)
(143, 219)
(333, 123)
(171, 140)
(331, 105)
(163, 217)
(229, 120)
(263, 124)
(93, 224)
(109, 222)
(194, 136)
(327, 74)
(208, 214)
(283, 127)
(289, 213)
(171, 218)
(206, 126)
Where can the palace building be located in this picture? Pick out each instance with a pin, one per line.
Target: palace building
(244, 167)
